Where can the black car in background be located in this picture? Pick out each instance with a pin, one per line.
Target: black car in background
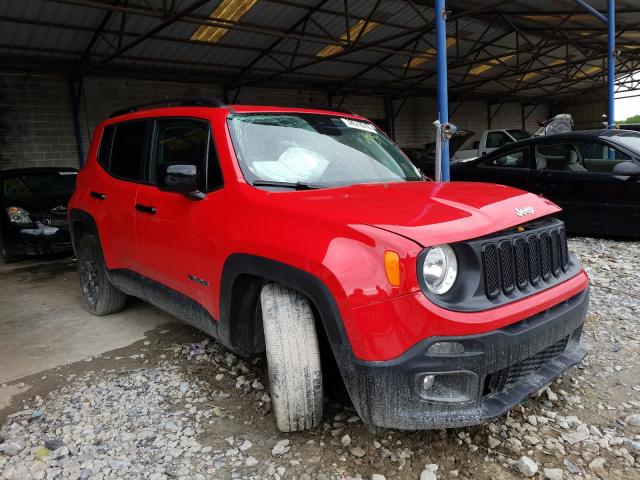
(594, 175)
(33, 211)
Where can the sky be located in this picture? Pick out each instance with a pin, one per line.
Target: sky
(630, 106)
(627, 107)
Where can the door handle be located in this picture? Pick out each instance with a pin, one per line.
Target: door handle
(98, 195)
(146, 209)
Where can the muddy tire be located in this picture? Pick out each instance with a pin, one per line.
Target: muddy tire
(99, 295)
(293, 358)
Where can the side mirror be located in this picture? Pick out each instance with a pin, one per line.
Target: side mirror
(627, 169)
(182, 179)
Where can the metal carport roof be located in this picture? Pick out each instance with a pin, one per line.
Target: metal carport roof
(499, 51)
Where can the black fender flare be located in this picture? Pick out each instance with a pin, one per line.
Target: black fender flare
(357, 383)
(271, 270)
(78, 216)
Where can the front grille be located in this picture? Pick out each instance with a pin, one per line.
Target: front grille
(491, 275)
(507, 270)
(532, 365)
(51, 219)
(55, 221)
(498, 381)
(523, 260)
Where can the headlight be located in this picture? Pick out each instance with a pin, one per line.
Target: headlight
(18, 215)
(440, 269)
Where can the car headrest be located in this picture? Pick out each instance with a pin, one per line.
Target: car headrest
(572, 157)
(541, 163)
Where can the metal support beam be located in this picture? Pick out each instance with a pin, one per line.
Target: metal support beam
(526, 115)
(158, 28)
(302, 21)
(441, 62)
(592, 10)
(611, 64)
(96, 35)
(75, 93)
(389, 118)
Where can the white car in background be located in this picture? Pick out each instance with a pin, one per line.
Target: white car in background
(491, 140)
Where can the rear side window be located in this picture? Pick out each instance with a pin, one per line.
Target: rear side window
(186, 141)
(104, 153)
(600, 158)
(514, 159)
(128, 150)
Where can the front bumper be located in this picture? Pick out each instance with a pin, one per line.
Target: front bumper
(38, 239)
(510, 364)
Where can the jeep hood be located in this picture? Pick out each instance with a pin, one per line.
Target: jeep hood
(428, 213)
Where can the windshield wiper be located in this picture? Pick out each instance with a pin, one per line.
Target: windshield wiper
(292, 185)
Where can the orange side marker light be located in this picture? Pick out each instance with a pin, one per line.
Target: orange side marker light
(392, 267)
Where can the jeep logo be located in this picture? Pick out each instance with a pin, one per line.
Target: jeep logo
(521, 212)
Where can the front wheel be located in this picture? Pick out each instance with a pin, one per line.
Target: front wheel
(99, 295)
(293, 358)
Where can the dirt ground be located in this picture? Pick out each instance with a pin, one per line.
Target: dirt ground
(583, 427)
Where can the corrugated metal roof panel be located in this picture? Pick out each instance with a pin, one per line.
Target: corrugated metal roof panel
(45, 29)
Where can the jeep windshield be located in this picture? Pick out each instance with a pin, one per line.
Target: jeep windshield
(298, 150)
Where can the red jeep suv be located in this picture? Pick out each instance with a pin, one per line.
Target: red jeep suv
(300, 232)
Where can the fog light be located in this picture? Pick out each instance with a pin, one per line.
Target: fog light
(447, 387)
(427, 382)
(445, 348)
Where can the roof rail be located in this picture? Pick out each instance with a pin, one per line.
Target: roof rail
(182, 102)
(340, 110)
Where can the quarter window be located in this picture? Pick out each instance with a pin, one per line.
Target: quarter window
(105, 146)
(600, 158)
(514, 159)
(127, 152)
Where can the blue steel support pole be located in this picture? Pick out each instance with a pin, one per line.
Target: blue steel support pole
(441, 61)
(592, 10)
(611, 62)
(610, 20)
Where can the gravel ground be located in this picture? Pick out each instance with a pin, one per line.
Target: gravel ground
(181, 406)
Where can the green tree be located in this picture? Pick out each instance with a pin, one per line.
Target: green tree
(634, 119)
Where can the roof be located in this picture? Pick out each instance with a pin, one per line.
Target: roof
(159, 109)
(599, 132)
(498, 51)
(572, 135)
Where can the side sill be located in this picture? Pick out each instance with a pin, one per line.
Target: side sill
(166, 299)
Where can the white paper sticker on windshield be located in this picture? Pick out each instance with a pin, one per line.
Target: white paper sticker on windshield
(67, 173)
(360, 125)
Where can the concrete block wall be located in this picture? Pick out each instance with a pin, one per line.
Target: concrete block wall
(102, 96)
(414, 124)
(36, 127)
(585, 115)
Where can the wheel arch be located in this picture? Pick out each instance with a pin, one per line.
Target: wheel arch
(242, 278)
(81, 223)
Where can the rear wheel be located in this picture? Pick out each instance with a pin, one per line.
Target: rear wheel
(293, 358)
(99, 295)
